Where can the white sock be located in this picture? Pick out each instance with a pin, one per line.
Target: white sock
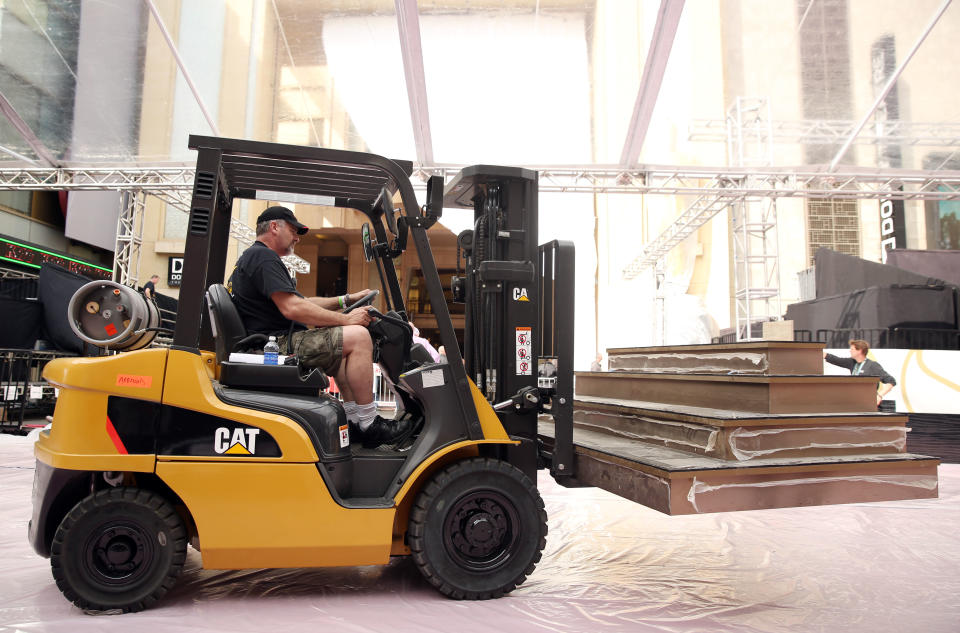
(365, 415)
(350, 408)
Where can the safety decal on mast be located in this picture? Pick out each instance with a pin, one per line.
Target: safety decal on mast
(524, 352)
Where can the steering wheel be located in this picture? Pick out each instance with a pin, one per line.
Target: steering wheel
(366, 300)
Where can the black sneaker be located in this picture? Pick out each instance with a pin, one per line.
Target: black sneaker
(381, 431)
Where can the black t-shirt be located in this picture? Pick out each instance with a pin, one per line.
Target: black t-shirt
(149, 286)
(258, 274)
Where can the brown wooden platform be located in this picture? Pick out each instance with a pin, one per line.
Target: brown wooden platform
(744, 436)
(676, 482)
(760, 358)
(715, 428)
(765, 394)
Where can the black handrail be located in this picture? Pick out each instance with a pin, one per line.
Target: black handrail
(889, 338)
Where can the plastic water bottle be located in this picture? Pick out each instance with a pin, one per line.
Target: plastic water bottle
(271, 351)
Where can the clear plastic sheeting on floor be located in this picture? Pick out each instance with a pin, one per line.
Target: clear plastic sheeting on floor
(609, 565)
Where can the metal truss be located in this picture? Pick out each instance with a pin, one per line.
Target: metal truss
(696, 215)
(126, 259)
(756, 264)
(175, 185)
(171, 184)
(753, 223)
(719, 190)
(833, 132)
(149, 179)
(714, 188)
(778, 182)
(10, 273)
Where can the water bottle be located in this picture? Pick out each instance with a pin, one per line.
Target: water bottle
(271, 352)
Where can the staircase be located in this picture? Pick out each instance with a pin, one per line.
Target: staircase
(744, 426)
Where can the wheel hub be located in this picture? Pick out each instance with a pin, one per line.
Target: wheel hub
(479, 530)
(117, 553)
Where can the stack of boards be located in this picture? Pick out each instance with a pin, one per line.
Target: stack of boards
(745, 426)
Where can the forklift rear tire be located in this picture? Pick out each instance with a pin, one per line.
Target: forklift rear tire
(121, 548)
(477, 529)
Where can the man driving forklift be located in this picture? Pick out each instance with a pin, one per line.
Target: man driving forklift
(339, 343)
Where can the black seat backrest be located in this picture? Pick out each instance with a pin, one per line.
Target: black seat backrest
(225, 321)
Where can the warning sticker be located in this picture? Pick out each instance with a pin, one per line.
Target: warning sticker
(110, 329)
(433, 378)
(344, 436)
(524, 352)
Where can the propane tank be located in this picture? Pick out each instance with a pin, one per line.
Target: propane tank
(113, 316)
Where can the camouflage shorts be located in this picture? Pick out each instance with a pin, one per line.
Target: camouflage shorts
(320, 347)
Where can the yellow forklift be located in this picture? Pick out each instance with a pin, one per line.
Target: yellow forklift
(152, 449)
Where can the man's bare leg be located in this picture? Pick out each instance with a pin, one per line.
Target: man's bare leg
(356, 379)
(355, 375)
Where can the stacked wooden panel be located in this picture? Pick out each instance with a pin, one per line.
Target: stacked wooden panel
(711, 428)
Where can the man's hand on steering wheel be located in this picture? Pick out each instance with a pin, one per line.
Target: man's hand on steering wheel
(358, 317)
(366, 298)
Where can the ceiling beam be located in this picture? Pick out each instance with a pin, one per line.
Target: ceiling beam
(889, 85)
(664, 32)
(26, 132)
(182, 66)
(408, 21)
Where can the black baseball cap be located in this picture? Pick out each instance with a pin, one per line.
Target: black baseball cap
(282, 213)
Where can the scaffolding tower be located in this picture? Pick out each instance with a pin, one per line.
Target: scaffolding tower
(753, 221)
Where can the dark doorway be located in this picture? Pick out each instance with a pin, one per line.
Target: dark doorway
(331, 276)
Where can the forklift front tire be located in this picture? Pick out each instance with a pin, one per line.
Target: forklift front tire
(121, 548)
(477, 529)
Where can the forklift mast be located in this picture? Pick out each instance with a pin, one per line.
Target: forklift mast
(505, 329)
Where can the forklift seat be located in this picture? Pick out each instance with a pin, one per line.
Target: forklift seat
(229, 333)
(230, 336)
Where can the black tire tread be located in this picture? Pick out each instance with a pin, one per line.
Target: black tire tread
(136, 496)
(418, 517)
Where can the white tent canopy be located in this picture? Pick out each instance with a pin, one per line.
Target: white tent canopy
(700, 105)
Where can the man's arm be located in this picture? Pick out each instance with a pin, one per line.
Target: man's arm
(883, 389)
(333, 303)
(885, 378)
(887, 382)
(846, 363)
(305, 311)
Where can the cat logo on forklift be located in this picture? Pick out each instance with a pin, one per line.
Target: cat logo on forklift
(239, 442)
(520, 294)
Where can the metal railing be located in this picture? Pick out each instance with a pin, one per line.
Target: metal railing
(25, 397)
(890, 338)
(18, 285)
(383, 393)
